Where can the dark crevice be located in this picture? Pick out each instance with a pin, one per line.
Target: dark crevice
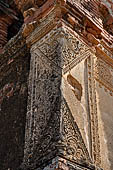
(14, 28)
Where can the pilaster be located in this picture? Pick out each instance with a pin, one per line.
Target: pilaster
(51, 132)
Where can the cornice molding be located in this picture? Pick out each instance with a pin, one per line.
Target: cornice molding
(84, 24)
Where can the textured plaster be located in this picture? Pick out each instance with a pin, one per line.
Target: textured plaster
(79, 108)
(105, 114)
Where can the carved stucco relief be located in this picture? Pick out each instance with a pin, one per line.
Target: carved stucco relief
(104, 74)
(93, 111)
(72, 49)
(50, 125)
(55, 50)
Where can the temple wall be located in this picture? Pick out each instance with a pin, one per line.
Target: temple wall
(13, 106)
(56, 107)
(104, 98)
(105, 115)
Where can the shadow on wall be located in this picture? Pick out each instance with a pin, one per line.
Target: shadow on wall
(75, 86)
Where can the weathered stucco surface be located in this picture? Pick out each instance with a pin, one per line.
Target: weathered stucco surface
(79, 108)
(56, 85)
(105, 113)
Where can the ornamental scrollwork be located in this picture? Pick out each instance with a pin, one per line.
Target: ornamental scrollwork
(75, 147)
(70, 47)
(51, 129)
(93, 112)
(104, 74)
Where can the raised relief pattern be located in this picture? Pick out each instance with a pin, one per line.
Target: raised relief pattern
(104, 74)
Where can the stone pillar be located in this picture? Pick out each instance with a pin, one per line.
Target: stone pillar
(52, 137)
(51, 132)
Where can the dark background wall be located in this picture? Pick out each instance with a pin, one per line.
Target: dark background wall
(13, 107)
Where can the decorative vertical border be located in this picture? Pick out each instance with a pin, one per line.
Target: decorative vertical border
(95, 146)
